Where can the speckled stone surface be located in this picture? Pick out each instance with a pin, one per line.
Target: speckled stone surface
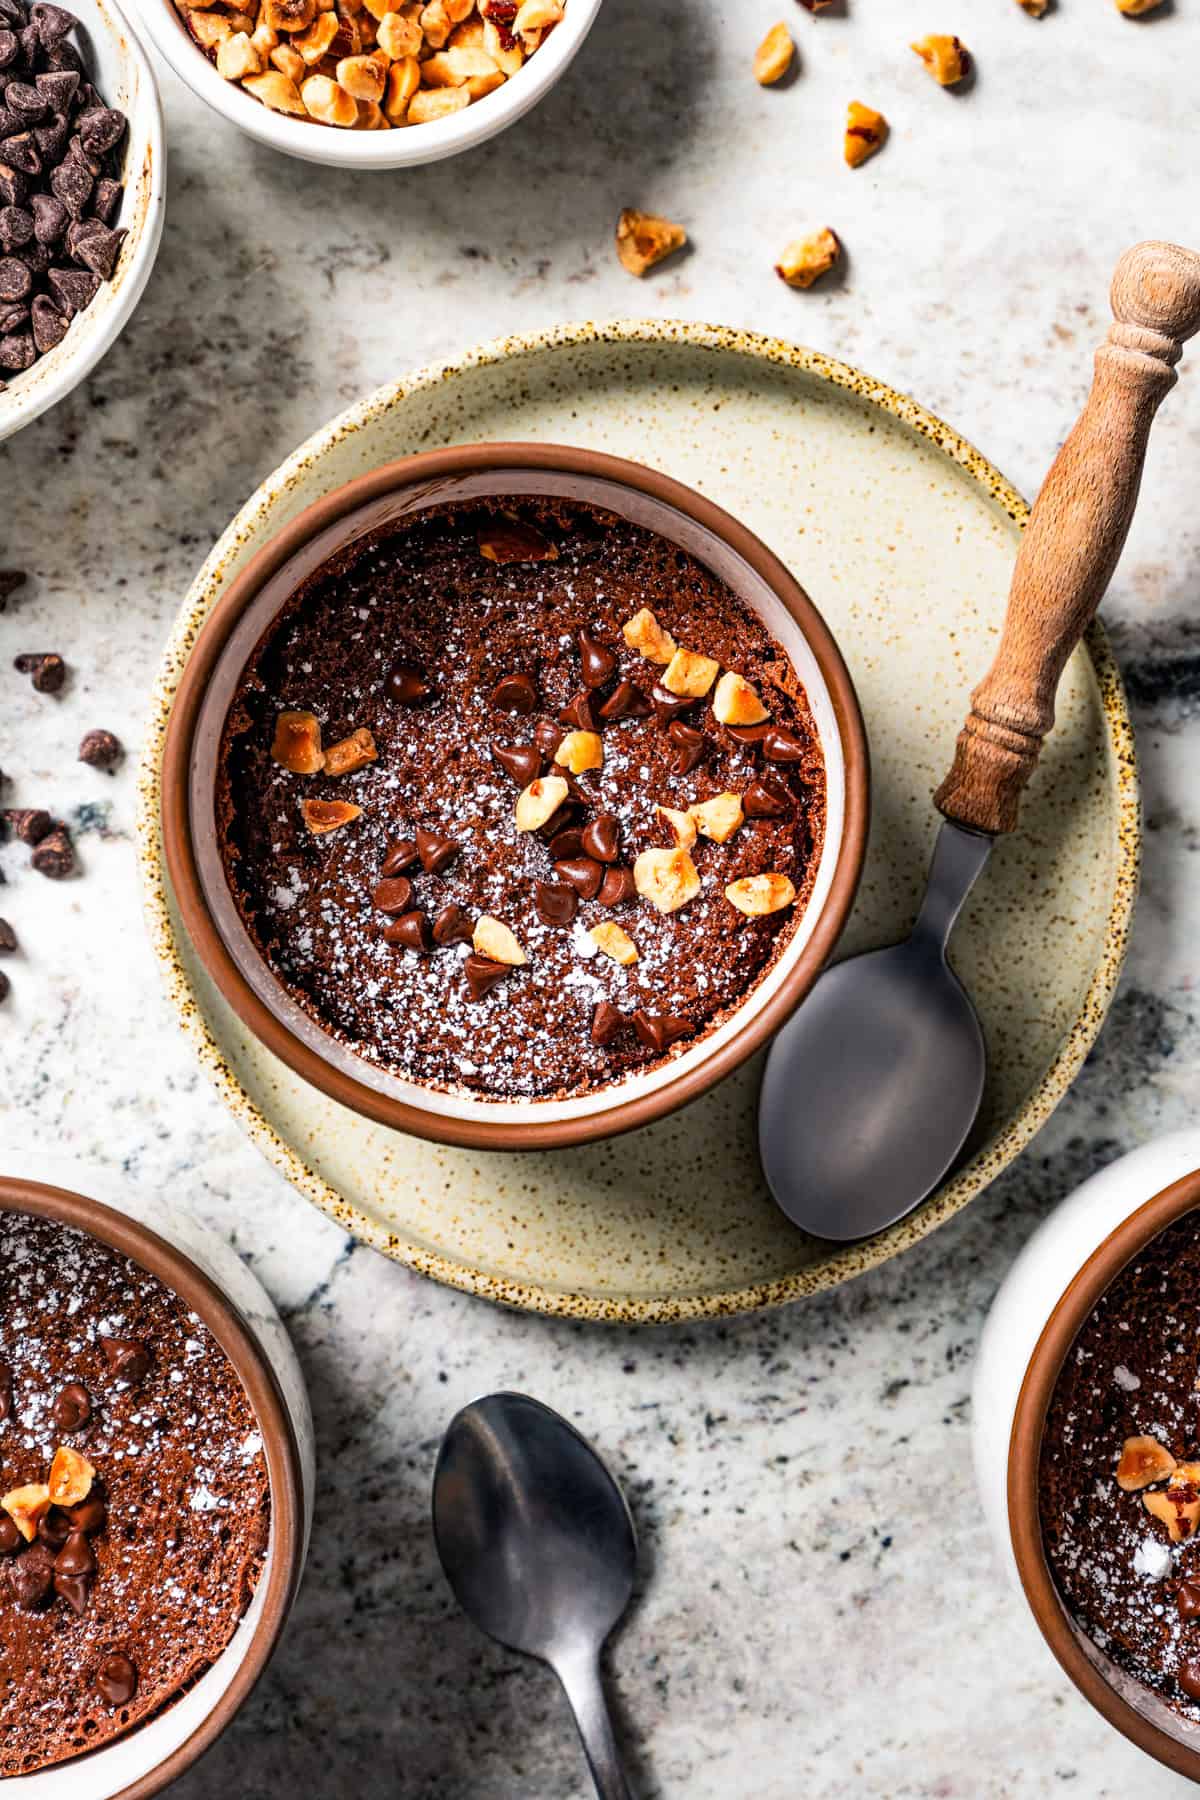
(819, 1604)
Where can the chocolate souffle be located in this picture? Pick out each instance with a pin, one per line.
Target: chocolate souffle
(133, 1522)
(1120, 1471)
(518, 797)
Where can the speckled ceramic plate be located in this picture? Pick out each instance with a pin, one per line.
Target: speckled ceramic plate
(905, 538)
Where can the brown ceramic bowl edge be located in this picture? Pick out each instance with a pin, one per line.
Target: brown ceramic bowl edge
(176, 1270)
(481, 1133)
(1025, 1445)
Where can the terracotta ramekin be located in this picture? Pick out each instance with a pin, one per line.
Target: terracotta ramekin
(218, 1286)
(237, 624)
(1049, 1294)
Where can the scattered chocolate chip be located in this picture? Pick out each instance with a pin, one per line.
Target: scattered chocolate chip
(406, 685)
(580, 712)
(1187, 1600)
(72, 1407)
(566, 843)
(626, 702)
(453, 926)
(5, 986)
(749, 736)
(617, 888)
(436, 851)
(601, 838)
(1189, 1678)
(483, 974)
(100, 750)
(29, 823)
(597, 664)
(780, 744)
(399, 856)
(669, 706)
(768, 798)
(10, 1538)
(75, 1590)
(583, 873)
(54, 1529)
(45, 668)
(54, 856)
(31, 1577)
(90, 1516)
(410, 931)
(556, 902)
(607, 1023)
(548, 736)
(690, 746)
(10, 581)
(116, 1680)
(127, 1358)
(515, 694)
(393, 894)
(76, 1556)
(658, 1031)
(522, 761)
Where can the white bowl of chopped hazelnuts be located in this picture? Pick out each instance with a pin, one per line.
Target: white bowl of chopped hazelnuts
(370, 84)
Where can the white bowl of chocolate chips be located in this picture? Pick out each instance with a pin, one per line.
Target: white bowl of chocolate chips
(82, 181)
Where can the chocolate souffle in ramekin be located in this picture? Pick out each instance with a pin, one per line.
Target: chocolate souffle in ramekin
(516, 797)
(135, 1510)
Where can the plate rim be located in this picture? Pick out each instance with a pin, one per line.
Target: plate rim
(848, 1260)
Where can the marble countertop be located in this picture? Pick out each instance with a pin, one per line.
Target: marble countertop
(819, 1605)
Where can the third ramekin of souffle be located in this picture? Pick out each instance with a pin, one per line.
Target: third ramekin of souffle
(687, 524)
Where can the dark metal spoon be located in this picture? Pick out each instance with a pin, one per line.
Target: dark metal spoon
(871, 1090)
(538, 1545)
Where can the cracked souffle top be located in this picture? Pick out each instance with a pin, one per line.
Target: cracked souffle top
(133, 1522)
(518, 797)
(1120, 1471)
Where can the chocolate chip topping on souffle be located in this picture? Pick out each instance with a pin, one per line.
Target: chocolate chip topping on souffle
(519, 797)
(133, 1521)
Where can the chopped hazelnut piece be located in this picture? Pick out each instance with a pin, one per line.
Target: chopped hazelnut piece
(297, 743)
(364, 76)
(1143, 1460)
(643, 239)
(325, 101)
(947, 58)
(682, 824)
(275, 90)
(536, 15)
(866, 131)
(667, 878)
(312, 44)
(209, 29)
(453, 68)
(756, 895)
(719, 817)
(398, 37)
(773, 58)
(1177, 1506)
(289, 15)
(328, 815)
(736, 703)
(238, 56)
(351, 754)
(644, 633)
(580, 751)
(614, 941)
(27, 1507)
(403, 80)
(494, 940)
(808, 258)
(540, 801)
(71, 1477)
(507, 54)
(689, 674)
(289, 62)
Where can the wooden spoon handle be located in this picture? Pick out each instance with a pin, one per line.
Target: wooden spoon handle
(1075, 534)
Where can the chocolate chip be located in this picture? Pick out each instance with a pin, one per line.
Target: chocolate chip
(453, 926)
(5, 986)
(116, 1680)
(100, 750)
(50, 219)
(14, 186)
(783, 745)
(483, 974)
(749, 736)
(49, 327)
(58, 86)
(617, 888)
(10, 1538)
(127, 1358)
(580, 712)
(668, 706)
(399, 856)
(54, 857)
(522, 761)
(23, 99)
(584, 875)
(100, 249)
(16, 227)
(515, 694)
(8, 941)
(607, 1023)
(29, 824)
(393, 894)
(410, 931)
(101, 129)
(406, 685)
(75, 1590)
(1189, 1678)
(9, 48)
(72, 1407)
(601, 838)
(1187, 1600)
(6, 1383)
(54, 1529)
(768, 798)
(658, 1031)
(31, 1577)
(73, 182)
(566, 844)
(556, 902)
(597, 664)
(53, 23)
(436, 851)
(75, 288)
(45, 668)
(76, 1556)
(12, 317)
(51, 137)
(626, 702)
(106, 199)
(548, 736)
(10, 581)
(91, 1515)
(65, 56)
(690, 746)
(22, 152)
(15, 279)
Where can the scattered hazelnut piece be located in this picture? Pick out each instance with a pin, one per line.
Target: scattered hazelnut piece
(667, 878)
(807, 259)
(1035, 8)
(682, 825)
(351, 754)
(947, 58)
(277, 91)
(643, 239)
(328, 815)
(756, 895)
(495, 941)
(27, 1507)
(614, 941)
(866, 132)
(644, 633)
(736, 703)
(689, 674)
(580, 751)
(773, 58)
(540, 801)
(71, 1477)
(1143, 1460)
(297, 743)
(1177, 1506)
(719, 817)
(1134, 8)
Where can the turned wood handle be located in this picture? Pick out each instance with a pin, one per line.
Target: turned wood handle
(1075, 534)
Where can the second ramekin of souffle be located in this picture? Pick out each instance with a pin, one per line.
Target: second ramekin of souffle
(546, 876)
